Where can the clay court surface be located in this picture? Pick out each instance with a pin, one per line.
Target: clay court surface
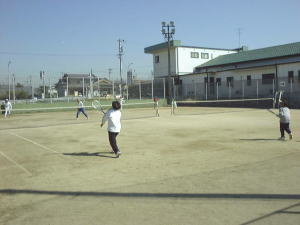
(218, 166)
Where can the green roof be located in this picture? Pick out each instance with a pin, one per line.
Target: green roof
(173, 43)
(253, 55)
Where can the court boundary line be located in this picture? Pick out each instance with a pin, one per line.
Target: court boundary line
(17, 164)
(33, 142)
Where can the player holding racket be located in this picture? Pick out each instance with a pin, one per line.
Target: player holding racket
(81, 109)
(155, 100)
(285, 118)
(113, 116)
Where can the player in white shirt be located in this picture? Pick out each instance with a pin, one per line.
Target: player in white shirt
(81, 109)
(173, 106)
(113, 116)
(8, 108)
(155, 100)
(285, 118)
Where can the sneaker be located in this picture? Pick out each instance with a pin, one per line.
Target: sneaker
(281, 138)
(118, 154)
(291, 136)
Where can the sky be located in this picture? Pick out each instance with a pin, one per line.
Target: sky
(75, 36)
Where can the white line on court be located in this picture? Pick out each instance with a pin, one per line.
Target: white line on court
(14, 162)
(33, 142)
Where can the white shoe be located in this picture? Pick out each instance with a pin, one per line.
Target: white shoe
(118, 154)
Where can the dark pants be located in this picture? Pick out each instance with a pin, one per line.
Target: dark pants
(284, 127)
(113, 142)
(81, 110)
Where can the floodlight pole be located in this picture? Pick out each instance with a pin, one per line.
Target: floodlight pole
(168, 35)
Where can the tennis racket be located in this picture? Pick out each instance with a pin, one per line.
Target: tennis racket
(97, 105)
(271, 111)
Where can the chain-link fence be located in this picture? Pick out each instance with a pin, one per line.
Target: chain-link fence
(159, 87)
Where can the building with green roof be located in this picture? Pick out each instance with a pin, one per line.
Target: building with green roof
(254, 73)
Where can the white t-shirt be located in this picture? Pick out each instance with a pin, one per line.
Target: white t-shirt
(284, 115)
(80, 105)
(114, 120)
(8, 106)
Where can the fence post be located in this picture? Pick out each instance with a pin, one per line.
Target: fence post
(257, 89)
(83, 87)
(217, 91)
(206, 91)
(164, 81)
(140, 89)
(243, 89)
(152, 88)
(273, 87)
(229, 89)
(195, 95)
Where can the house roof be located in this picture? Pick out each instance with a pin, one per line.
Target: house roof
(78, 75)
(177, 43)
(254, 55)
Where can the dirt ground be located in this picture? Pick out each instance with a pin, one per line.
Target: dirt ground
(210, 166)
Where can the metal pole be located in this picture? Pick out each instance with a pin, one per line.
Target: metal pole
(140, 88)
(91, 85)
(14, 90)
(243, 89)
(44, 84)
(173, 86)
(217, 90)
(68, 88)
(8, 65)
(50, 90)
(257, 89)
(152, 88)
(83, 87)
(206, 90)
(291, 86)
(229, 89)
(273, 87)
(32, 90)
(195, 95)
(164, 82)
(99, 88)
(169, 67)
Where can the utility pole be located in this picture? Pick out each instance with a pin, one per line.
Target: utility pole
(239, 34)
(91, 84)
(8, 65)
(14, 89)
(168, 35)
(121, 53)
(113, 82)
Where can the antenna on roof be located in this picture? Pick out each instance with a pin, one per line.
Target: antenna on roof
(239, 34)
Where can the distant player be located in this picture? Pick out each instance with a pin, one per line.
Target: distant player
(8, 108)
(113, 116)
(156, 100)
(173, 106)
(285, 118)
(80, 109)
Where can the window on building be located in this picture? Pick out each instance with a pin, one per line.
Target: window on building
(205, 80)
(298, 75)
(194, 54)
(268, 78)
(229, 81)
(291, 76)
(218, 81)
(248, 80)
(204, 55)
(157, 59)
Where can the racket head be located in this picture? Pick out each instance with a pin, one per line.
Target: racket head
(97, 105)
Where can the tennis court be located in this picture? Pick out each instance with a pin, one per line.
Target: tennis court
(201, 166)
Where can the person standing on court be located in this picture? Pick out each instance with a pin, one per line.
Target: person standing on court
(80, 109)
(285, 118)
(8, 108)
(113, 116)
